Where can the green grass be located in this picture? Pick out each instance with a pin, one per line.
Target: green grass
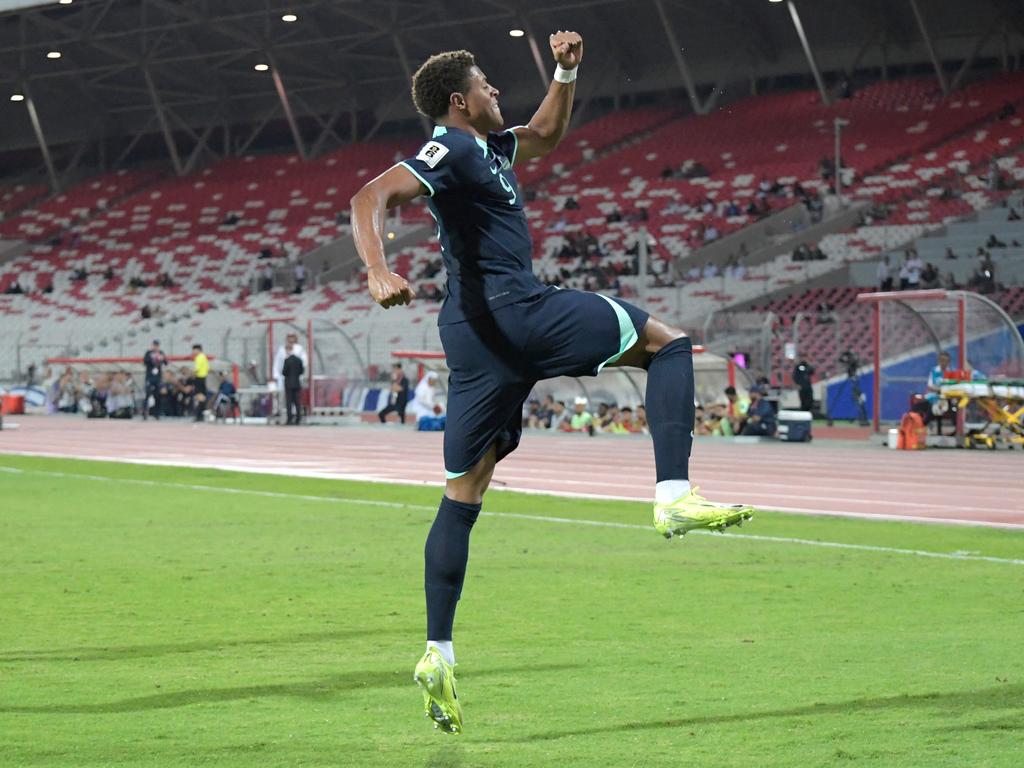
(149, 624)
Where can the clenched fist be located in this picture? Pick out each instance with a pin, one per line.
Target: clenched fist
(567, 48)
(387, 288)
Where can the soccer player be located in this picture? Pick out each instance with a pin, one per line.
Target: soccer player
(503, 330)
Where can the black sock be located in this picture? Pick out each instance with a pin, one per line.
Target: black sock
(446, 554)
(670, 409)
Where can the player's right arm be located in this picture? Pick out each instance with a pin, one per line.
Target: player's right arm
(394, 187)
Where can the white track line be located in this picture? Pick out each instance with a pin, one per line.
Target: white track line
(519, 516)
(498, 484)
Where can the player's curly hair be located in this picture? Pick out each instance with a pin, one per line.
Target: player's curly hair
(437, 79)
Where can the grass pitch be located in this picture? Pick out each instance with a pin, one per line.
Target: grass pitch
(174, 617)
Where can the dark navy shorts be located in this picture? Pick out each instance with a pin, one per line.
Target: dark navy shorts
(495, 360)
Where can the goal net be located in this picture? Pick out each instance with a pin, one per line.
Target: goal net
(910, 328)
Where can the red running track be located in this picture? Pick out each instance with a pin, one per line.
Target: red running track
(829, 477)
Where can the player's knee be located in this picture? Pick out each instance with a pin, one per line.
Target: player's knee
(658, 334)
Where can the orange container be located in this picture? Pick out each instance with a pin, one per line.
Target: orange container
(12, 404)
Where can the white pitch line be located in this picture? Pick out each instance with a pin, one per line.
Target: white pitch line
(519, 516)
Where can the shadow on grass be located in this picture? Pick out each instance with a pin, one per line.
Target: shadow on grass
(124, 652)
(999, 697)
(323, 688)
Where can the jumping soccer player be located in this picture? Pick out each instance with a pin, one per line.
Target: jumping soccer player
(503, 331)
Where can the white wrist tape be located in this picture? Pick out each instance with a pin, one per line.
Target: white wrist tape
(565, 75)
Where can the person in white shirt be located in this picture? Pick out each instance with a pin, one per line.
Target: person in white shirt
(291, 341)
(425, 401)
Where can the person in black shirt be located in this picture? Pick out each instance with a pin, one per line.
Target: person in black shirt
(154, 361)
(292, 371)
(399, 395)
(802, 374)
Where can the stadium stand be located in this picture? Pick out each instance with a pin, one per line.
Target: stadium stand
(925, 158)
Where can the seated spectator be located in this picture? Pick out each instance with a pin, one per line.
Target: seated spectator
(930, 276)
(230, 219)
(751, 210)
(559, 416)
(801, 253)
(1013, 215)
(736, 409)
(226, 403)
(731, 209)
(581, 420)
(761, 420)
(640, 420)
(711, 234)
(710, 270)
(950, 254)
(571, 204)
(614, 216)
(994, 242)
(708, 205)
(718, 422)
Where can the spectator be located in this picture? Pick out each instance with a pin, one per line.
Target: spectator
(615, 216)
(300, 277)
(581, 420)
(930, 276)
(884, 274)
(910, 271)
(950, 254)
(291, 371)
(559, 416)
(640, 420)
(154, 362)
(711, 233)
(571, 204)
(120, 397)
(230, 219)
(399, 395)
(761, 421)
(994, 242)
(227, 398)
(267, 278)
(736, 409)
(424, 401)
(200, 370)
(732, 209)
(710, 270)
(1013, 215)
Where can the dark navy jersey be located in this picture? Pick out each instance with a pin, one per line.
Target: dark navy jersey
(485, 239)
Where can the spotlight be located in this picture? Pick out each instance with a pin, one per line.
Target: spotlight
(289, 17)
(516, 33)
(261, 67)
(53, 55)
(17, 97)
(391, 235)
(65, 2)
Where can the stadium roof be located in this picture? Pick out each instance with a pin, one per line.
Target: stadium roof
(113, 77)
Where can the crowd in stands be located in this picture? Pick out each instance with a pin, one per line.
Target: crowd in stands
(730, 415)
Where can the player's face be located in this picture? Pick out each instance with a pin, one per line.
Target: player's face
(482, 102)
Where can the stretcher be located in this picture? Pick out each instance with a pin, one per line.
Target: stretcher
(1001, 403)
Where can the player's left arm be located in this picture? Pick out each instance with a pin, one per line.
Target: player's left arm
(551, 120)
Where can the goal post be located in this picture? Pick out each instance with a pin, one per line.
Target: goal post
(910, 328)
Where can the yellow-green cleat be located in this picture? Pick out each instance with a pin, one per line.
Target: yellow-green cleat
(436, 678)
(692, 511)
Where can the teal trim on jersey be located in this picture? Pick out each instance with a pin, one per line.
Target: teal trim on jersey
(482, 143)
(412, 170)
(627, 333)
(452, 475)
(515, 148)
(439, 130)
